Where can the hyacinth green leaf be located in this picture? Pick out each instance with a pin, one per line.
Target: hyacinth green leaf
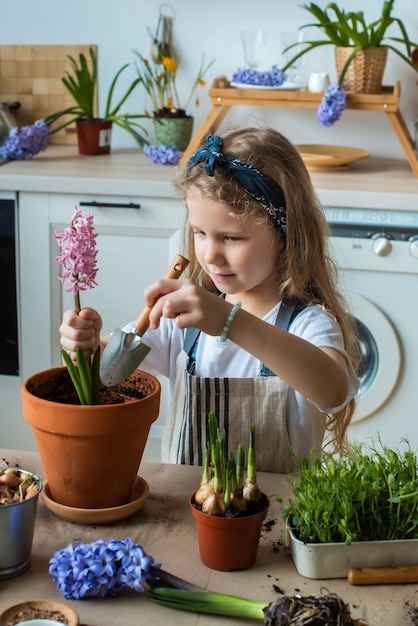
(74, 375)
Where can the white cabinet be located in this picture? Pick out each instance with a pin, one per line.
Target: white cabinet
(135, 246)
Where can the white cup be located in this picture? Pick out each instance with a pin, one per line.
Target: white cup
(318, 81)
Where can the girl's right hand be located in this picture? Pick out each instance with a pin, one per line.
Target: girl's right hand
(80, 330)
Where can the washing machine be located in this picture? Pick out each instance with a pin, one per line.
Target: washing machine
(376, 253)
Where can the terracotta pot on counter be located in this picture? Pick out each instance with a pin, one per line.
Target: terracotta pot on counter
(227, 544)
(93, 137)
(90, 454)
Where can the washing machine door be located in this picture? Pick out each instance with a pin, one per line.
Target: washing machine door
(380, 356)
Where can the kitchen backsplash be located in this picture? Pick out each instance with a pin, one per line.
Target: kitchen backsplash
(32, 75)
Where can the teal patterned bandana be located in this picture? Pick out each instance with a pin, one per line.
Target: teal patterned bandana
(266, 191)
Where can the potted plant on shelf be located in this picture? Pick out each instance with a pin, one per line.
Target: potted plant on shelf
(94, 131)
(173, 124)
(353, 511)
(90, 438)
(360, 50)
(19, 491)
(228, 511)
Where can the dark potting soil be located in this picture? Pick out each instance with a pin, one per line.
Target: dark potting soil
(59, 388)
(32, 613)
(252, 508)
(171, 113)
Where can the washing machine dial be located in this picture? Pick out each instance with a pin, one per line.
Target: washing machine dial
(381, 244)
(413, 247)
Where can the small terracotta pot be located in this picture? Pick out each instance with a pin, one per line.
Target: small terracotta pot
(93, 137)
(90, 454)
(228, 544)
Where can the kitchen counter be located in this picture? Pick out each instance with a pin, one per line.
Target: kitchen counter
(166, 530)
(370, 183)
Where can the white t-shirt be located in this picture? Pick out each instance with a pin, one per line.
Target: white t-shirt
(214, 358)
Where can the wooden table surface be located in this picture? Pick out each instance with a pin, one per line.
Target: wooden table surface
(165, 528)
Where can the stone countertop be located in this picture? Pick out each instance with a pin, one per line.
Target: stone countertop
(371, 183)
(164, 526)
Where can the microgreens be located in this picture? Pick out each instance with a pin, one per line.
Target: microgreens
(79, 270)
(369, 494)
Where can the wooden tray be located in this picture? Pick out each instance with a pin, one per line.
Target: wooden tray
(317, 156)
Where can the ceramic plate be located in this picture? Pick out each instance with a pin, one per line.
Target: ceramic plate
(286, 85)
(99, 516)
(317, 156)
(31, 609)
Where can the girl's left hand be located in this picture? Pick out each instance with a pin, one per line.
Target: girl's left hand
(188, 304)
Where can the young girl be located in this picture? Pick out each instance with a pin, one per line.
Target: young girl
(258, 332)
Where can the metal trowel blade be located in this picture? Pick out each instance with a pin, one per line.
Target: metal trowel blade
(122, 355)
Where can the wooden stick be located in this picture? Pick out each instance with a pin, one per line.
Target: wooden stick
(383, 575)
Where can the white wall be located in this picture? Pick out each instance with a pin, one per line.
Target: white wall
(213, 28)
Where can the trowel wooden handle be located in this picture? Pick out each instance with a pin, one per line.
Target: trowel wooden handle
(383, 575)
(176, 269)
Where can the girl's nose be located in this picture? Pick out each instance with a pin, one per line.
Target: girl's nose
(213, 253)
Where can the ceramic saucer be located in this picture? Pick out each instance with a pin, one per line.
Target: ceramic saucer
(139, 496)
(50, 611)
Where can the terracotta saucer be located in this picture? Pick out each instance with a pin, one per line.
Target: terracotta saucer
(139, 496)
(49, 610)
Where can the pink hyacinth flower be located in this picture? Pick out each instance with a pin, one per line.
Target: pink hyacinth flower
(78, 253)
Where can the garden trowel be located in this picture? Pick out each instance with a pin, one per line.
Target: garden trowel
(125, 350)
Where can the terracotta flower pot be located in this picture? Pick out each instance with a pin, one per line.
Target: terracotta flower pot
(90, 454)
(93, 137)
(227, 544)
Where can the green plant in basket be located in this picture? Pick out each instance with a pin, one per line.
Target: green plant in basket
(350, 29)
(370, 494)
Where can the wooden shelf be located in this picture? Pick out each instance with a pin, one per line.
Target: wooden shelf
(223, 98)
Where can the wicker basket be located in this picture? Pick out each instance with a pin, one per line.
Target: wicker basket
(365, 72)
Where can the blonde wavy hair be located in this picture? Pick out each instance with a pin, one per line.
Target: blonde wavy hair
(306, 270)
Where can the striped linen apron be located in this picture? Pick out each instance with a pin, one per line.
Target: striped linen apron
(236, 402)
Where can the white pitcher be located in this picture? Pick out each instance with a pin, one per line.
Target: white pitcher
(318, 81)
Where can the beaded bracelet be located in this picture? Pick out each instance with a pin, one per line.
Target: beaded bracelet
(229, 320)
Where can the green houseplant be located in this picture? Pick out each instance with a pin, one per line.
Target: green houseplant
(349, 29)
(173, 123)
(360, 50)
(81, 83)
(351, 502)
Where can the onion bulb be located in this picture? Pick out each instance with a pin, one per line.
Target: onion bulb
(214, 505)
